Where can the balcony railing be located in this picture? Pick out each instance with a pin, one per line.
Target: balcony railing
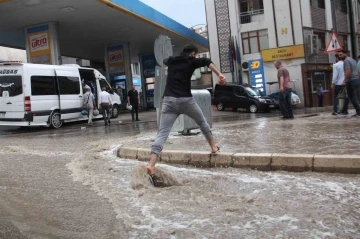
(252, 16)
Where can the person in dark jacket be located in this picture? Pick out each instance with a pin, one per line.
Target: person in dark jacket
(178, 99)
(134, 101)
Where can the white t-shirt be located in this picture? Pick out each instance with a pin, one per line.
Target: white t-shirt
(105, 98)
(338, 73)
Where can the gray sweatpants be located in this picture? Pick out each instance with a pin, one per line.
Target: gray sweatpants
(171, 109)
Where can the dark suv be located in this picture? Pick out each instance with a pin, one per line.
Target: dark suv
(241, 96)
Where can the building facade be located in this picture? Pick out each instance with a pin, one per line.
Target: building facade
(202, 77)
(294, 31)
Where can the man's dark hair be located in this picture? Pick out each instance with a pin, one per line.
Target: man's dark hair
(344, 51)
(189, 48)
(337, 55)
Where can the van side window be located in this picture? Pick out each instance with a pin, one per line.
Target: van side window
(12, 84)
(69, 85)
(43, 85)
(240, 91)
(106, 85)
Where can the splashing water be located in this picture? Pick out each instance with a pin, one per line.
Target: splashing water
(225, 203)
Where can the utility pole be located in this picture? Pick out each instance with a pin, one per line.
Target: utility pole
(333, 13)
(354, 46)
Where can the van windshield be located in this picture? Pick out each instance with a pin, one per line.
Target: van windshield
(252, 91)
(12, 84)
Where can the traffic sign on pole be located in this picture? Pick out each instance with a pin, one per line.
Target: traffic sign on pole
(334, 44)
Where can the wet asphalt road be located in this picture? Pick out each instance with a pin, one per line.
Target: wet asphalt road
(38, 197)
(50, 180)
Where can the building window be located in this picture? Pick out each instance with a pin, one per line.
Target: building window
(343, 41)
(251, 5)
(250, 9)
(322, 42)
(341, 6)
(318, 3)
(253, 42)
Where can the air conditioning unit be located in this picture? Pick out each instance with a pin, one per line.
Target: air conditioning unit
(245, 66)
(313, 44)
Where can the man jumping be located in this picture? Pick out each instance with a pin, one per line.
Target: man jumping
(178, 99)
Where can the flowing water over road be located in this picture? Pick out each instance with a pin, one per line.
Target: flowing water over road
(226, 203)
(112, 197)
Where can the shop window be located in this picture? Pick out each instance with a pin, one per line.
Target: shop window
(323, 78)
(255, 41)
(318, 3)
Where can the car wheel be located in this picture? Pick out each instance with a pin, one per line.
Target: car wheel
(234, 109)
(220, 107)
(55, 120)
(253, 108)
(115, 111)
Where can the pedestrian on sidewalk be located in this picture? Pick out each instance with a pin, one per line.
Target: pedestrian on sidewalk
(320, 94)
(285, 91)
(134, 101)
(89, 100)
(337, 81)
(106, 105)
(178, 99)
(351, 82)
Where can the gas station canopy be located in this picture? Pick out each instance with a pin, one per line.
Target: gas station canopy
(86, 27)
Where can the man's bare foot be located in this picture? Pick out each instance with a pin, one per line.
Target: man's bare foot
(150, 169)
(215, 150)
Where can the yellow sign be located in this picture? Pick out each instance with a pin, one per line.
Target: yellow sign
(255, 65)
(38, 39)
(283, 53)
(284, 31)
(115, 60)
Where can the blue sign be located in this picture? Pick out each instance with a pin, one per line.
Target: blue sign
(256, 70)
(148, 65)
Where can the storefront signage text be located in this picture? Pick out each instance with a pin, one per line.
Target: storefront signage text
(319, 67)
(283, 53)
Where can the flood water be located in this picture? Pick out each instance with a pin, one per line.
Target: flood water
(225, 203)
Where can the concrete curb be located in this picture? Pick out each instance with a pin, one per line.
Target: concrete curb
(259, 161)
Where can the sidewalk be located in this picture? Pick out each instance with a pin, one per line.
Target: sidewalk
(319, 140)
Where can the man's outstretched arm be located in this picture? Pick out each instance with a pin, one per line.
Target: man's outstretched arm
(222, 78)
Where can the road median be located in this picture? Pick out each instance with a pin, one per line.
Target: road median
(257, 161)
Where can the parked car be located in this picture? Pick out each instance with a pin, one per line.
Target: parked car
(241, 96)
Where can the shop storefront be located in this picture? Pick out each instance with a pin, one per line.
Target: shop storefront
(314, 75)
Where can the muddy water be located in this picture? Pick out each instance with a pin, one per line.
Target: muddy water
(224, 203)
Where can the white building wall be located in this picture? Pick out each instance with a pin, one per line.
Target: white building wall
(283, 22)
(298, 28)
(212, 33)
(306, 12)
